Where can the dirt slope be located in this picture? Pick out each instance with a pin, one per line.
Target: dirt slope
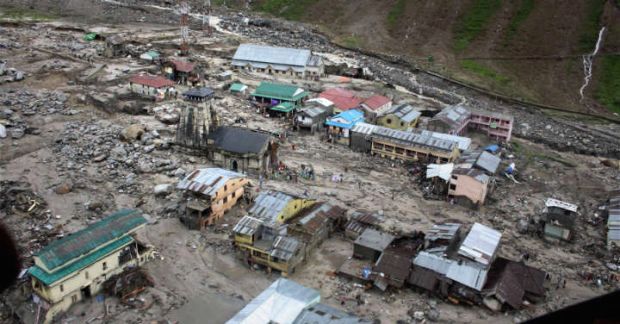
(540, 42)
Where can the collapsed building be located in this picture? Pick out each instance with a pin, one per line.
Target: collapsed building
(210, 193)
(182, 72)
(286, 301)
(76, 266)
(299, 63)
(114, 46)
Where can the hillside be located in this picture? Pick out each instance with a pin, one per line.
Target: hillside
(527, 49)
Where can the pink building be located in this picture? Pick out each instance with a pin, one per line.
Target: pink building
(456, 119)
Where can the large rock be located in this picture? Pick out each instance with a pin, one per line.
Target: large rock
(64, 188)
(163, 189)
(2, 131)
(133, 132)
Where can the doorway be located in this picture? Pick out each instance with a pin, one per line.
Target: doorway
(86, 292)
(234, 165)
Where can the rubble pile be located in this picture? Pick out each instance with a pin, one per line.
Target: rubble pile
(18, 104)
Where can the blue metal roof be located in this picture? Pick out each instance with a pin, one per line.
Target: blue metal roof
(346, 119)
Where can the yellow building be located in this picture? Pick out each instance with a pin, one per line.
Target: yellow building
(408, 146)
(261, 239)
(75, 267)
(211, 193)
(401, 117)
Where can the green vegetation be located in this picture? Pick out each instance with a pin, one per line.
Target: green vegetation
(352, 41)
(474, 22)
(484, 71)
(24, 14)
(396, 12)
(523, 12)
(608, 88)
(289, 9)
(591, 25)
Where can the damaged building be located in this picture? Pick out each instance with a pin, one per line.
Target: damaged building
(360, 221)
(314, 114)
(75, 267)
(114, 46)
(261, 236)
(558, 219)
(210, 193)
(182, 72)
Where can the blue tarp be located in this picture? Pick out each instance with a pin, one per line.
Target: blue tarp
(493, 148)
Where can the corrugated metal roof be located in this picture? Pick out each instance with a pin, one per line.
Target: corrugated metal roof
(404, 112)
(445, 231)
(480, 244)
(324, 314)
(375, 240)
(284, 247)
(154, 81)
(312, 111)
(433, 262)
(444, 171)
(279, 91)
(282, 302)
(320, 101)
(480, 159)
(375, 102)
(463, 142)
(393, 266)
(251, 53)
(410, 138)
(561, 204)
(469, 274)
(343, 99)
(455, 116)
(90, 238)
(208, 181)
(199, 92)
(247, 225)
(269, 204)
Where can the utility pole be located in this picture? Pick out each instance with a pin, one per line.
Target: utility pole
(184, 23)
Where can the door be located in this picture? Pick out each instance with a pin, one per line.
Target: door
(234, 165)
(85, 292)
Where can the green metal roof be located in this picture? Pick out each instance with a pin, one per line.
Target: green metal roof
(90, 238)
(284, 107)
(90, 37)
(50, 278)
(237, 87)
(279, 91)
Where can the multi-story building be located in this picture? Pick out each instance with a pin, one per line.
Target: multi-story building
(210, 193)
(75, 267)
(273, 60)
(456, 119)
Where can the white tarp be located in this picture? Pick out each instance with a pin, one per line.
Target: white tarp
(443, 171)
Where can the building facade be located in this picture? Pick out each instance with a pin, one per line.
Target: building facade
(300, 63)
(210, 193)
(152, 86)
(339, 126)
(400, 117)
(75, 267)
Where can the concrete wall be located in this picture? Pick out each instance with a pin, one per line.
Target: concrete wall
(466, 186)
(294, 207)
(393, 122)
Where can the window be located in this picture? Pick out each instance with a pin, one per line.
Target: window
(233, 194)
(105, 266)
(225, 187)
(389, 120)
(62, 288)
(86, 274)
(452, 187)
(225, 199)
(74, 298)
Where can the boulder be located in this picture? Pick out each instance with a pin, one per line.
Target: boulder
(133, 132)
(64, 188)
(163, 189)
(2, 131)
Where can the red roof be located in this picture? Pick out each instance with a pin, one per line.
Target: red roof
(375, 102)
(183, 66)
(153, 81)
(343, 99)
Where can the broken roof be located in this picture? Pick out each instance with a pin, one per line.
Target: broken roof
(404, 112)
(90, 238)
(282, 302)
(285, 247)
(454, 116)
(443, 171)
(240, 140)
(326, 103)
(271, 55)
(470, 274)
(480, 244)
(375, 102)
(324, 314)
(463, 142)
(314, 217)
(208, 181)
(511, 281)
(313, 111)
(560, 204)
(394, 266)
(445, 231)
(154, 81)
(374, 239)
(430, 261)
(247, 225)
(342, 98)
(482, 160)
(269, 204)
